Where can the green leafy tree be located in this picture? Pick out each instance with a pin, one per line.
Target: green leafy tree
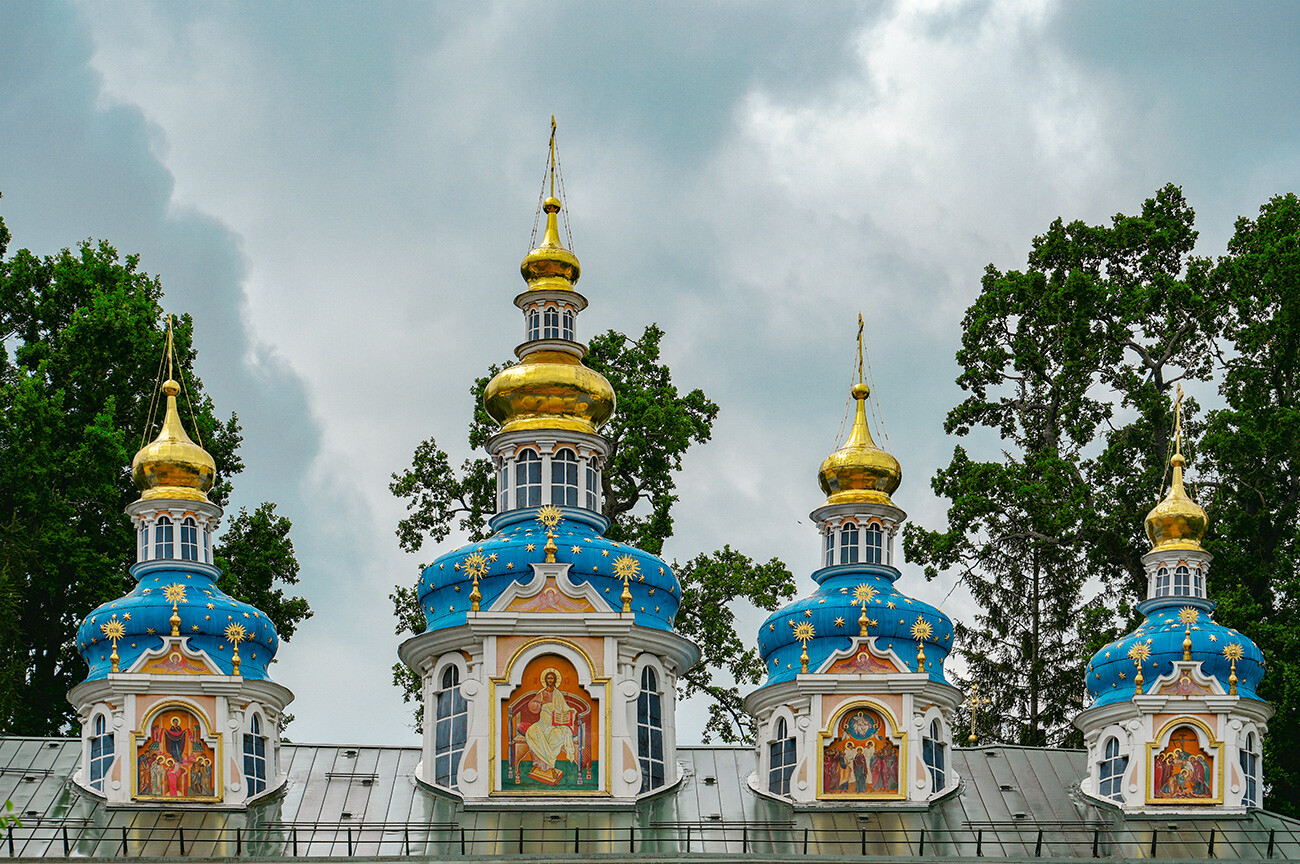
(1101, 324)
(1252, 450)
(82, 336)
(654, 426)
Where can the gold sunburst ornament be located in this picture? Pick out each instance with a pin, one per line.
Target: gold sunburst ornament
(1139, 652)
(862, 595)
(626, 568)
(113, 630)
(1233, 652)
(475, 566)
(550, 516)
(235, 633)
(803, 632)
(921, 630)
(1189, 616)
(175, 594)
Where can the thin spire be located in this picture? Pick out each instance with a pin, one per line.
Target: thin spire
(860, 327)
(552, 156)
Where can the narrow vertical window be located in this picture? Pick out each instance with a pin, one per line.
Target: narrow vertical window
(1182, 581)
(163, 544)
(830, 545)
(650, 731)
(551, 323)
(564, 479)
(142, 544)
(780, 759)
(849, 543)
(1111, 773)
(534, 325)
(875, 544)
(1162, 581)
(101, 752)
(568, 324)
(255, 757)
(1198, 584)
(932, 750)
(1250, 770)
(503, 487)
(451, 715)
(593, 486)
(528, 479)
(189, 539)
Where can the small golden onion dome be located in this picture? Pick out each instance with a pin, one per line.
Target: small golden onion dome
(860, 471)
(550, 266)
(549, 390)
(173, 466)
(1177, 522)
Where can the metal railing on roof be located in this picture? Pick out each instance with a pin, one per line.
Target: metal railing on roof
(57, 838)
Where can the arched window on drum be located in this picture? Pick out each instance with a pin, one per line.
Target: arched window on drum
(163, 539)
(1182, 581)
(189, 539)
(255, 757)
(1250, 770)
(875, 544)
(933, 752)
(534, 325)
(1162, 582)
(450, 729)
(849, 543)
(564, 479)
(528, 479)
(551, 323)
(650, 731)
(101, 752)
(780, 759)
(1111, 771)
(568, 324)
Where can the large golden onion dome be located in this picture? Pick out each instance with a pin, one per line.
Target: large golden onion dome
(173, 466)
(860, 471)
(550, 388)
(1177, 522)
(550, 266)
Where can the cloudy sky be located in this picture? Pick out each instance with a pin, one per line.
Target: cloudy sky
(341, 194)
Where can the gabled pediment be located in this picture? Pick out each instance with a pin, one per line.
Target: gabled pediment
(550, 590)
(174, 658)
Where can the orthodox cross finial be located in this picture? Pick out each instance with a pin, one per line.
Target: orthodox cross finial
(170, 350)
(803, 632)
(860, 326)
(552, 157)
(235, 633)
(973, 704)
(113, 630)
(475, 566)
(1178, 421)
(1234, 653)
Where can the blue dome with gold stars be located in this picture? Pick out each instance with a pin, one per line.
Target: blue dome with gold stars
(519, 540)
(143, 617)
(1158, 643)
(897, 622)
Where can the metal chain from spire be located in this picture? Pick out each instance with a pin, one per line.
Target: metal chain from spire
(553, 168)
(1175, 440)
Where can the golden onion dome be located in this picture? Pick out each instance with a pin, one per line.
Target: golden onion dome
(173, 466)
(860, 471)
(549, 390)
(1177, 522)
(550, 266)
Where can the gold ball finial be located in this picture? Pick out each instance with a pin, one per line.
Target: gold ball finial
(861, 391)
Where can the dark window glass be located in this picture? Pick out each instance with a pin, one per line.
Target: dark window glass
(162, 538)
(564, 479)
(450, 729)
(650, 731)
(528, 479)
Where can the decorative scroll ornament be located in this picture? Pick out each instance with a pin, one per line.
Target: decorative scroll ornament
(113, 630)
(175, 594)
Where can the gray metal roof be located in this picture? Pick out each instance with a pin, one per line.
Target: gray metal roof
(1014, 803)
